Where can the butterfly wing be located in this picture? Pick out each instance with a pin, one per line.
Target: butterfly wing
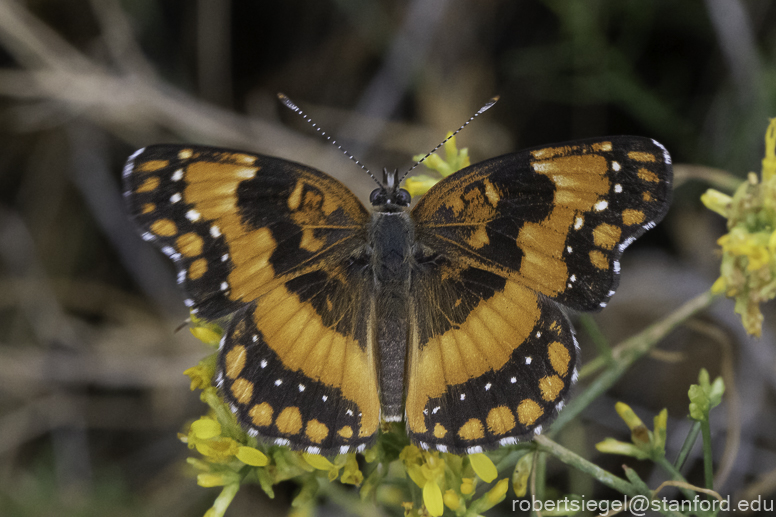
(492, 356)
(276, 245)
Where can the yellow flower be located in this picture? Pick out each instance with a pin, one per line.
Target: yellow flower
(454, 161)
(467, 486)
(432, 498)
(210, 479)
(748, 269)
(452, 499)
(208, 333)
(646, 443)
(205, 428)
(201, 376)
(351, 474)
(427, 470)
(483, 467)
(498, 492)
(318, 462)
(251, 456)
(769, 162)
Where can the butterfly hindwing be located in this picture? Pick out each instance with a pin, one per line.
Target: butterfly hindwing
(277, 245)
(499, 243)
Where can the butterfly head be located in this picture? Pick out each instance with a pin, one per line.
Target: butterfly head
(389, 194)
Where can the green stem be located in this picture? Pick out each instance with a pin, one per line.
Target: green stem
(592, 366)
(597, 337)
(708, 467)
(629, 352)
(578, 462)
(687, 445)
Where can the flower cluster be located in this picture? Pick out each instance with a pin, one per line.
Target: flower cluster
(748, 271)
(449, 480)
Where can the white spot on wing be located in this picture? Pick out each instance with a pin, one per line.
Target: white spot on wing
(528, 359)
(513, 380)
(463, 396)
(487, 386)
(618, 188)
(666, 156)
(616, 166)
(278, 382)
(131, 162)
(193, 215)
(177, 175)
(510, 440)
(601, 205)
(442, 448)
(215, 232)
(473, 450)
(344, 449)
(301, 388)
(263, 363)
(175, 197)
(313, 450)
(578, 222)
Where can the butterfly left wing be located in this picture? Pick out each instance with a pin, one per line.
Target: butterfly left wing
(492, 356)
(274, 245)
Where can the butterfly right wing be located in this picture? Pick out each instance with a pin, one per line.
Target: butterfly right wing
(275, 245)
(492, 357)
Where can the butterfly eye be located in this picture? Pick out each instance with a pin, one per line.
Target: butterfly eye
(403, 198)
(378, 197)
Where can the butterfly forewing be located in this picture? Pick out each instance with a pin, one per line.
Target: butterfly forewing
(276, 245)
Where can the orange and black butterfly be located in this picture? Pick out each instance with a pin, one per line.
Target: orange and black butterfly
(448, 316)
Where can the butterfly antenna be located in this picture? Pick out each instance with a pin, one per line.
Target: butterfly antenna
(480, 111)
(293, 107)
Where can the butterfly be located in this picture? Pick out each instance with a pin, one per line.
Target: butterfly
(449, 316)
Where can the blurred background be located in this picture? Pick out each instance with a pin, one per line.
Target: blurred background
(92, 394)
